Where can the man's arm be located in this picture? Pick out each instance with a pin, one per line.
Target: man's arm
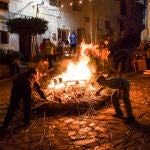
(99, 90)
(38, 89)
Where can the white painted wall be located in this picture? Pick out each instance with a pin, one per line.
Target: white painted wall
(65, 18)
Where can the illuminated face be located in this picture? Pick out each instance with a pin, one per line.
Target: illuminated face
(33, 76)
(106, 42)
(101, 80)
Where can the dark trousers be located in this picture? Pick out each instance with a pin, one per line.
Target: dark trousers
(116, 96)
(14, 103)
(73, 49)
(50, 61)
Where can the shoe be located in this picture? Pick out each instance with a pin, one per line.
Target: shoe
(118, 115)
(129, 120)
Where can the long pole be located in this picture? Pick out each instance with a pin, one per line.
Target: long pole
(91, 20)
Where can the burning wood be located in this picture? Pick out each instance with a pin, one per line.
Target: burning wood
(74, 98)
(75, 86)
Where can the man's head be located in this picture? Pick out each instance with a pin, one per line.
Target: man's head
(101, 80)
(32, 71)
(8, 51)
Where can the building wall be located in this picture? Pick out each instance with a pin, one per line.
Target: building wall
(58, 18)
(148, 18)
(97, 12)
(107, 11)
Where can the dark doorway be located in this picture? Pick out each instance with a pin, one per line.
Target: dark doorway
(25, 47)
(63, 34)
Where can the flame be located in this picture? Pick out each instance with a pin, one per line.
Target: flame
(77, 70)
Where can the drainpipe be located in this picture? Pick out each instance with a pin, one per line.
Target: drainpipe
(148, 16)
(91, 22)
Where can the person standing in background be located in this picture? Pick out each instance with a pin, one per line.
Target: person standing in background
(50, 52)
(60, 48)
(110, 57)
(43, 48)
(12, 60)
(73, 41)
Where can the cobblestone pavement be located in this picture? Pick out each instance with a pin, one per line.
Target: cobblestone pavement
(94, 130)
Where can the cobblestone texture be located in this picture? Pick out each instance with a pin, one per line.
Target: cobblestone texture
(98, 131)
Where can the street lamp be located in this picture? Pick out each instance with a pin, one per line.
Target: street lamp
(37, 8)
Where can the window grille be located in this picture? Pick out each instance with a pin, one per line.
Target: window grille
(3, 37)
(3, 5)
(55, 3)
(76, 7)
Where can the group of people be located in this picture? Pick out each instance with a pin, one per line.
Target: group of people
(24, 84)
(70, 45)
(110, 59)
(51, 51)
(48, 51)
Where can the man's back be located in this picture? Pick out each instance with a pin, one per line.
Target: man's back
(22, 84)
(118, 83)
(73, 39)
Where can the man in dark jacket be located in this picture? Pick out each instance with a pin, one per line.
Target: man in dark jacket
(121, 86)
(22, 89)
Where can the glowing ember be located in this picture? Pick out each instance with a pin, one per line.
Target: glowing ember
(77, 85)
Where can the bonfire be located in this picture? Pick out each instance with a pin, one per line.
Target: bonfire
(76, 88)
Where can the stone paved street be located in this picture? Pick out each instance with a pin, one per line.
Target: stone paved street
(94, 130)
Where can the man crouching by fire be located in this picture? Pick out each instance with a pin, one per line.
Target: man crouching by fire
(122, 87)
(22, 89)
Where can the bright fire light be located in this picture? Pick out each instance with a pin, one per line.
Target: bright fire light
(76, 71)
(79, 71)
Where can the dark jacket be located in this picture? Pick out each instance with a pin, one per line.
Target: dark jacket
(24, 84)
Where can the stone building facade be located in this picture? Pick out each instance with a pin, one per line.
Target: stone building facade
(90, 19)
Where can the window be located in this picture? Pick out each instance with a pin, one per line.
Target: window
(3, 5)
(121, 26)
(3, 37)
(107, 24)
(80, 34)
(87, 19)
(55, 3)
(109, 29)
(76, 7)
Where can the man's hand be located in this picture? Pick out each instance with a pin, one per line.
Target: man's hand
(46, 99)
(98, 92)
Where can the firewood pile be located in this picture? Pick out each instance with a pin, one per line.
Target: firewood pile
(72, 97)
